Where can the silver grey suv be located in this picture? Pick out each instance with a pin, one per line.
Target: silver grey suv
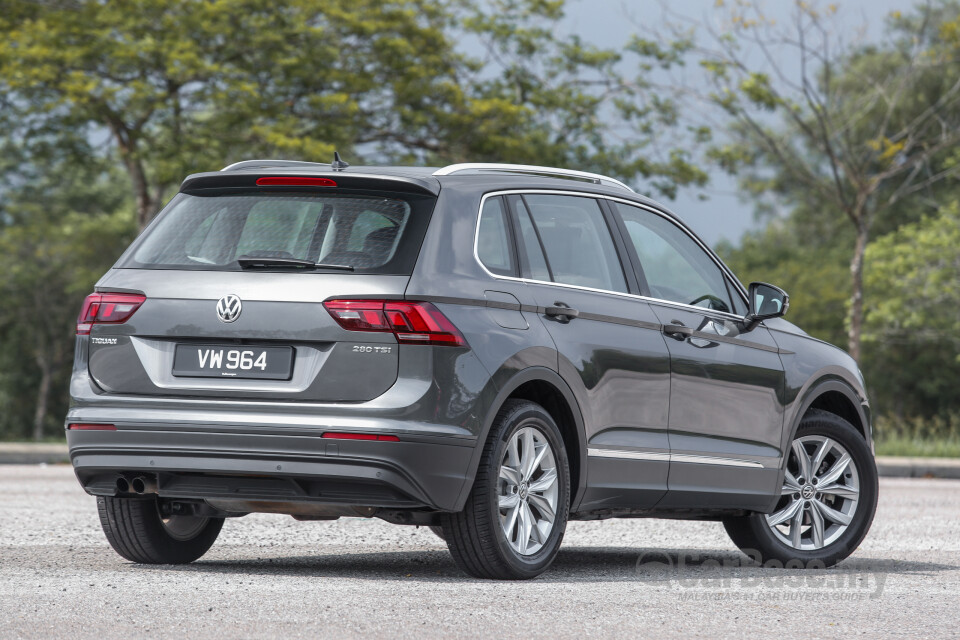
(486, 350)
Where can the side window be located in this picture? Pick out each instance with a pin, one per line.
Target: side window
(531, 242)
(676, 267)
(577, 242)
(493, 239)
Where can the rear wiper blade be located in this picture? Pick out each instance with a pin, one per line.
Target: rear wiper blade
(252, 262)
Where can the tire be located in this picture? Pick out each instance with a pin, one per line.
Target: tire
(476, 536)
(755, 534)
(438, 531)
(135, 530)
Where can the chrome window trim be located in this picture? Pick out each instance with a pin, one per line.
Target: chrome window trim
(673, 457)
(723, 268)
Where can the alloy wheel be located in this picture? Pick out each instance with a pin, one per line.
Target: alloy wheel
(821, 490)
(527, 491)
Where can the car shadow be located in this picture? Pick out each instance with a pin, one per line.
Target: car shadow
(575, 564)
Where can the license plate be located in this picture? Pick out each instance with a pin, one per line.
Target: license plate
(214, 361)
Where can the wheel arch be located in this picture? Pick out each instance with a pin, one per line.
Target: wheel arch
(834, 396)
(545, 387)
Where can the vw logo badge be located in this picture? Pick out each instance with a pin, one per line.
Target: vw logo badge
(229, 308)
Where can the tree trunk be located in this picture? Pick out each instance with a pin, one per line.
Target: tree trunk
(43, 399)
(146, 205)
(127, 146)
(855, 317)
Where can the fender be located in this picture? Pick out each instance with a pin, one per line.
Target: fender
(529, 375)
(802, 403)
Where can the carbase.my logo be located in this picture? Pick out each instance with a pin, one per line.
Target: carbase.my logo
(702, 575)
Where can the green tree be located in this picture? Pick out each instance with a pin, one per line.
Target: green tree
(176, 86)
(853, 137)
(912, 330)
(58, 233)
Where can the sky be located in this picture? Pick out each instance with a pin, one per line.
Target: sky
(609, 23)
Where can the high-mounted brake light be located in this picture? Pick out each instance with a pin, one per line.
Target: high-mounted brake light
(294, 181)
(333, 435)
(107, 308)
(75, 426)
(410, 322)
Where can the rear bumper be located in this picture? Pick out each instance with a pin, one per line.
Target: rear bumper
(419, 471)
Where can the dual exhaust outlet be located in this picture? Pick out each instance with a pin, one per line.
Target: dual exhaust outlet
(140, 485)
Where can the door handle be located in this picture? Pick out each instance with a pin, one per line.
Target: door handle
(677, 331)
(562, 312)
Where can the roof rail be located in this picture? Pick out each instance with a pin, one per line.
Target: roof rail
(526, 168)
(244, 164)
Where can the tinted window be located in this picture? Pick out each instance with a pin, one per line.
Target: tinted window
(493, 240)
(577, 242)
(675, 266)
(211, 232)
(536, 263)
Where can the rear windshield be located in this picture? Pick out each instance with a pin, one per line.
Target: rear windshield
(373, 234)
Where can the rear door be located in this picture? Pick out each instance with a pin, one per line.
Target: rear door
(611, 352)
(726, 391)
(232, 308)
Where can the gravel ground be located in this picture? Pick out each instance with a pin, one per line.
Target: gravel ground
(270, 576)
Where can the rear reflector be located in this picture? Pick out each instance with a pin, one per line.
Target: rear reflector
(91, 427)
(107, 308)
(410, 322)
(359, 436)
(294, 181)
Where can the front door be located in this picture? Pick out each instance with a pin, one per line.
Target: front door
(726, 386)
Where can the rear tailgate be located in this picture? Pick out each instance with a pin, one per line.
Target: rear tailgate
(225, 316)
(329, 364)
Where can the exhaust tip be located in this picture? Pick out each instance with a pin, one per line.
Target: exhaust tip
(122, 485)
(138, 485)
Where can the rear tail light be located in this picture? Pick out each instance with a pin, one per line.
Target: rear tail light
(74, 426)
(359, 436)
(107, 308)
(410, 322)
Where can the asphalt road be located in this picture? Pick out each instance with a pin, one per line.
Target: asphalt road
(270, 576)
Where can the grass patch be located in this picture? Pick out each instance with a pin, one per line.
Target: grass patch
(918, 448)
(933, 437)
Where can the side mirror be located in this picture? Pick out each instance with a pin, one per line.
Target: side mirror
(766, 301)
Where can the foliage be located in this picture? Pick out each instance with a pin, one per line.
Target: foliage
(860, 134)
(58, 233)
(914, 279)
(178, 86)
(911, 339)
(938, 436)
